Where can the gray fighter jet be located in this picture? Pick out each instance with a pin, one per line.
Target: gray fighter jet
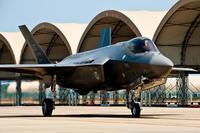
(125, 65)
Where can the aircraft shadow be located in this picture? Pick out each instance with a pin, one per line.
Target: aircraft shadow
(143, 116)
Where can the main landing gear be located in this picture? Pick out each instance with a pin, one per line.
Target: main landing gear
(135, 110)
(47, 107)
(133, 105)
(48, 104)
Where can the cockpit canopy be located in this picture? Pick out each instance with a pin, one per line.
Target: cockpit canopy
(141, 45)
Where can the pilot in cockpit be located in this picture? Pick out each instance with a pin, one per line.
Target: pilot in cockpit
(141, 45)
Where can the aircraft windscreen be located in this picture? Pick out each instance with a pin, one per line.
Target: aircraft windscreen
(139, 45)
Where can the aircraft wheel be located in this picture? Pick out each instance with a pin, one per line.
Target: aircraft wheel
(135, 110)
(47, 107)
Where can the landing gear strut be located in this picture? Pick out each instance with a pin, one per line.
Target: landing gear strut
(48, 104)
(133, 105)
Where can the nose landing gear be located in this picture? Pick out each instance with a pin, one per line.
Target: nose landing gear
(133, 105)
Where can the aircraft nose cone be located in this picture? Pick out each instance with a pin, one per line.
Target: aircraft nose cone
(160, 60)
(161, 65)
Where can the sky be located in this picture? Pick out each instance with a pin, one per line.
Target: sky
(33, 12)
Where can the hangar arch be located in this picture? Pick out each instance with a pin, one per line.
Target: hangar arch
(10, 47)
(7, 55)
(51, 39)
(122, 29)
(177, 36)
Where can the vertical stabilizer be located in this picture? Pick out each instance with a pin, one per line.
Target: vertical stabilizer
(105, 37)
(38, 52)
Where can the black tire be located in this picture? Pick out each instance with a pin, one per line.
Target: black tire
(135, 110)
(47, 107)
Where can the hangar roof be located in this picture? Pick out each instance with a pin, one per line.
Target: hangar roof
(146, 21)
(122, 29)
(53, 39)
(178, 34)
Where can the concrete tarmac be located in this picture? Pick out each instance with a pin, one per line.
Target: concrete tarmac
(65, 119)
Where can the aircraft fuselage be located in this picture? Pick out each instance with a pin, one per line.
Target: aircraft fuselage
(124, 68)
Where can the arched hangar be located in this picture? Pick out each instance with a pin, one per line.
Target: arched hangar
(177, 36)
(10, 47)
(51, 39)
(123, 29)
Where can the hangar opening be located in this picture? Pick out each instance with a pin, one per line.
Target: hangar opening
(52, 41)
(122, 29)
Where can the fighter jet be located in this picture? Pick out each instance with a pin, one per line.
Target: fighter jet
(124, 65)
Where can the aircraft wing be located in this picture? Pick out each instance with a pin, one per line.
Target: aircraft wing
(176, 70)
(42, 69)
(27, 68)
(184, 69)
